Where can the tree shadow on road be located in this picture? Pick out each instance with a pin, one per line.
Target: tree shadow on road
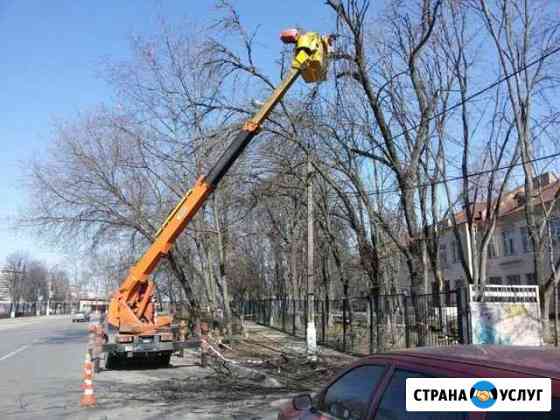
(68, 337)
(211, 394)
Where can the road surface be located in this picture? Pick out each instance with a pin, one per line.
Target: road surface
(40, 366)
(41, 362)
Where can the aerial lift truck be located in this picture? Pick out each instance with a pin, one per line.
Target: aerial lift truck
(133, 329)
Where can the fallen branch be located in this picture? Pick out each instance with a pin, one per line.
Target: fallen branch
(217, 353)
(225, 346)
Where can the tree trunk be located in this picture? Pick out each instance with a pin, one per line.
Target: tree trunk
(311, 333)
(546, 298)
(222, 275)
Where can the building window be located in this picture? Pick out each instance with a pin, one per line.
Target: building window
(455, 251)
(495, 280)
(492, 249)
(513, 280)
(435, 294)
(526, 240)
(554, 225)
(531, 279)
(509, 243)
(443, 255)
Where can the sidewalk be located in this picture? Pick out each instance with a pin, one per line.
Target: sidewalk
(289, 343)
(284, 358)
(264, 372)
(183, 390)
(7, 323)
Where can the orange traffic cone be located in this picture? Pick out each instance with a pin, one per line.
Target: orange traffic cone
(88, 399)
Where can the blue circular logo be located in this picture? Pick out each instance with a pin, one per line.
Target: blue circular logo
(483, 394)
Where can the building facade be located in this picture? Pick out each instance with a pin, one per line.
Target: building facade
(89, 304)
(4, 289)
(510, 253)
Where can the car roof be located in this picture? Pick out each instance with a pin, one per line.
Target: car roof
(532, 360)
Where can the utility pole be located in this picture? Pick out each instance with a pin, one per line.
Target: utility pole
(49, 295)
(556, 331)
(311, 333)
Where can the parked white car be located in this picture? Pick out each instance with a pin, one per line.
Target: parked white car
(80, 317)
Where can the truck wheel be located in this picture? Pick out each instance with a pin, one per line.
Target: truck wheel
(112, 361)
(163, 360)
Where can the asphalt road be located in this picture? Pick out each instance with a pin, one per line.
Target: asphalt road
(41, 363)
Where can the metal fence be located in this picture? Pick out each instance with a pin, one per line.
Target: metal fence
(22, 309)
(365, 325)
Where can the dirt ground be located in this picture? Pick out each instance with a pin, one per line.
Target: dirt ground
(261, 373)
(283, 358)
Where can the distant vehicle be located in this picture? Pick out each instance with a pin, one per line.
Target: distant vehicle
(80, 317)
(95, 316)
(374, 387)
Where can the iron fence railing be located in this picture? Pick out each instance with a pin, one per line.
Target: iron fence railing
(364, 325)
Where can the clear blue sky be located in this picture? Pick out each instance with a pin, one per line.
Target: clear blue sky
(51, 55)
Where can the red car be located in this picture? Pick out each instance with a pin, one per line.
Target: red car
(374, 387)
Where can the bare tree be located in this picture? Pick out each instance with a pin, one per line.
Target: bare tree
(36, 281)
(522, 32)
(393, 72)
(16, 267)
(59, 284)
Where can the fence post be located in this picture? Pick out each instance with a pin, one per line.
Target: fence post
(265, 312)
(406, 324)
(284, 308)
(294, 317)
(267, 307)
(378, 325)
(462, 317)
(441, 316)
(344, 303)
(305, 311)
(323, 329)
(370, 303)
(416, 310)
(255, 311)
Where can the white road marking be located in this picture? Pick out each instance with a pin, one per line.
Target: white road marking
(13, 353)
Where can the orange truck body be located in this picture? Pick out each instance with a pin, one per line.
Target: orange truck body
(131, 310)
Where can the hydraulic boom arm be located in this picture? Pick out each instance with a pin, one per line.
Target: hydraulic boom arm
(131, 309)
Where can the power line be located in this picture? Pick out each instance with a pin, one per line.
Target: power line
(452, 107)
(455, 178)
(457, 105)
(474, 95)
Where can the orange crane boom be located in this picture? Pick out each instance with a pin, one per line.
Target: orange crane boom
(131, 310)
